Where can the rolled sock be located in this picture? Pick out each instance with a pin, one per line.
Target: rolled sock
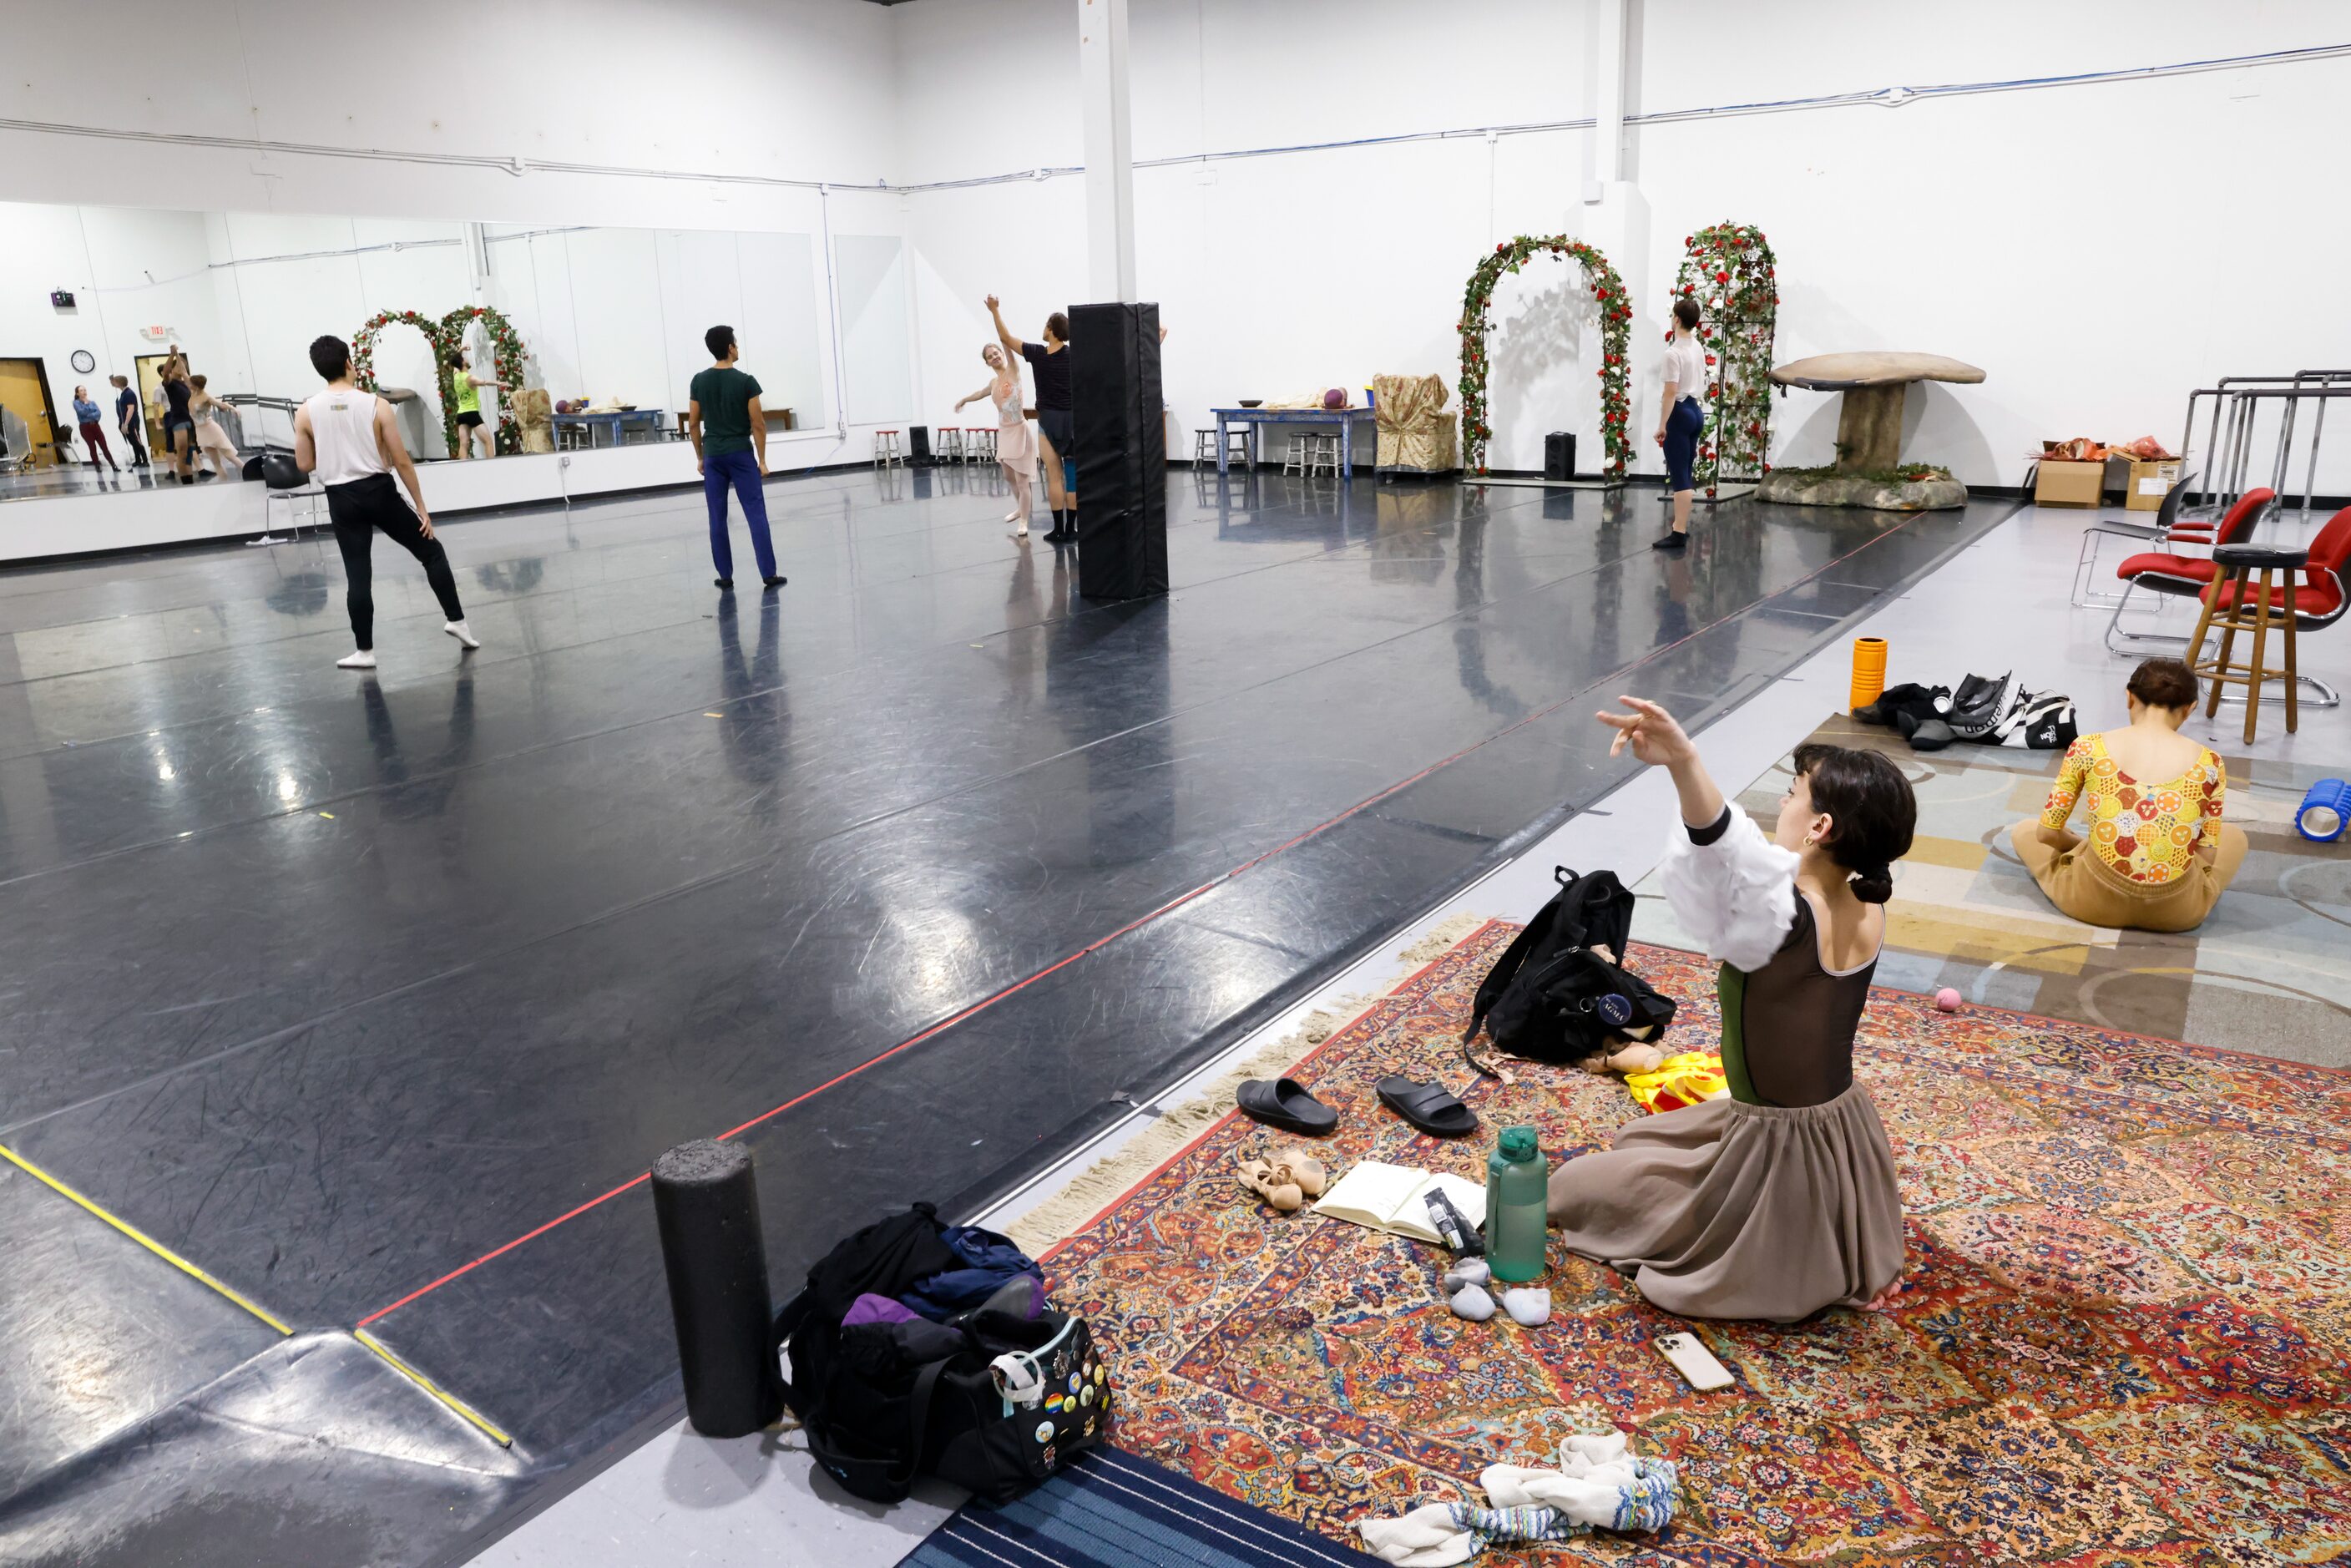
(1472, 1303)
(1528, 1308)
(1468, 1271)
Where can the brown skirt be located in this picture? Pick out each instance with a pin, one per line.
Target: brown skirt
(2084, 887)
(1730, 1210)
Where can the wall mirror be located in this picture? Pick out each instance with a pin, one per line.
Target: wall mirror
(593, 332)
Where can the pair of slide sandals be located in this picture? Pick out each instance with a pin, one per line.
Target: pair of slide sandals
(1288, 1104)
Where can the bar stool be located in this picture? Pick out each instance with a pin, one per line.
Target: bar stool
(1298, 457)
(950, 444)
(1322, 453)
(982, 445)
(886, 454)
(2233, 604)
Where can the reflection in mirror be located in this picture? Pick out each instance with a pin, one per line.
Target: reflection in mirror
(609, 320)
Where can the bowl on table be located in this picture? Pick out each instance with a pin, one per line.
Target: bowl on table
(1252, 402)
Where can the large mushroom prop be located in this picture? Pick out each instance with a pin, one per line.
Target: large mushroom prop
(1869, 431)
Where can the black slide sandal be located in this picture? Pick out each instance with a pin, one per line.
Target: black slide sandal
(1428, 1107)
(1288, 1105)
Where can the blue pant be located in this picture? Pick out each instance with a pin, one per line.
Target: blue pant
(1682, 428)
(741, 469)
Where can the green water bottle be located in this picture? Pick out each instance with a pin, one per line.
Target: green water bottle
(1516, 1179)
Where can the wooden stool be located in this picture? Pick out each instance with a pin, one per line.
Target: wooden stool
(950, 444)
(2233, 604)
(982, 445)
(886, 454)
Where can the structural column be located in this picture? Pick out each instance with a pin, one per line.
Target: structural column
(1109, 159)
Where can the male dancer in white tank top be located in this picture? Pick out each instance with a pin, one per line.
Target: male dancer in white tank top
(348, 439)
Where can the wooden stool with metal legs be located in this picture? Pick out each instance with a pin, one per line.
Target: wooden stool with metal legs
(2233, 604)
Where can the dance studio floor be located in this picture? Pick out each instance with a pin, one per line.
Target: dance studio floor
(372, 997)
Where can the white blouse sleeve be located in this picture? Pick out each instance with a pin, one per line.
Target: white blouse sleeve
(1737, 895)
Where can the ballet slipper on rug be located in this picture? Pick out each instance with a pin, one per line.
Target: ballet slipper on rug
(1270, 1183)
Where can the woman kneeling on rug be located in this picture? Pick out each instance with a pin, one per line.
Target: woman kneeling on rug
(1781, 1200)
(2158, 853)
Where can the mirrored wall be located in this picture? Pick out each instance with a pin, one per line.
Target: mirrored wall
(608, 323)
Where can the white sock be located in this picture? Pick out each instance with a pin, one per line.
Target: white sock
(463, 633)
(361, 659)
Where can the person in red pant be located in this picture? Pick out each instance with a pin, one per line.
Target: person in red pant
(93, 434)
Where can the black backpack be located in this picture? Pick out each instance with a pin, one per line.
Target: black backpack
(883, 1404)
(1551, 997)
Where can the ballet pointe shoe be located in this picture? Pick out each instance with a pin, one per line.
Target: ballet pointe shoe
(1275, 1188)
(1302, 1168)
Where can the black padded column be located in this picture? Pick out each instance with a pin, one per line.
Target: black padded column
(1121, 450)
(706, 1204)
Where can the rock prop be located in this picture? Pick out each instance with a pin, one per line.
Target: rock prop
(1869, 471)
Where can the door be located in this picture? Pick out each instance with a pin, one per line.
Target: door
(24, 392)
(151, 399)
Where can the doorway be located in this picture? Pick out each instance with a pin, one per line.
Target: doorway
(147, 369)
(24, 392)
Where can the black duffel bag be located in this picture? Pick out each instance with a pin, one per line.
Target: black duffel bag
(991, 1402)
(1560, 992)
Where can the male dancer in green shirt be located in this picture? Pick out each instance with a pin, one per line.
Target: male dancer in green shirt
(735, 452)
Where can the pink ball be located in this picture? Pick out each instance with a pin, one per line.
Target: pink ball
(1948, 1000)
(1335, 397)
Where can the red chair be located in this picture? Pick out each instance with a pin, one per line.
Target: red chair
(2317, 602)
(2181, 576)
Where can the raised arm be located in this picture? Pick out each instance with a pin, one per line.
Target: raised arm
(1012, 345)
(1729, 887)
(987, 390)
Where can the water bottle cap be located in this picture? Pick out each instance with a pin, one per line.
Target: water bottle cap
(1518, 1144)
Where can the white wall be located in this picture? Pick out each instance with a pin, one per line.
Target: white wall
(745, 91)
(2097, 250)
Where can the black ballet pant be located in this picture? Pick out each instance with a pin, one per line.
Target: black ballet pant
(359, 509)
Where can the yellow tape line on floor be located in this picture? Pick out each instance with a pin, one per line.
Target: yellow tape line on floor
(434, 1389)
(140, 1237)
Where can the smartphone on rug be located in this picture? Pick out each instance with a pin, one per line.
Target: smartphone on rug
(1693, 1362)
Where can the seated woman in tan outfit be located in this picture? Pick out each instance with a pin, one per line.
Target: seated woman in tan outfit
(2158, 854)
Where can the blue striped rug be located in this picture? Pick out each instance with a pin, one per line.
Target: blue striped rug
(1109, 1510)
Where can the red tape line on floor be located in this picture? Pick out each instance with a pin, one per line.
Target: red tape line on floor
(1140, 921)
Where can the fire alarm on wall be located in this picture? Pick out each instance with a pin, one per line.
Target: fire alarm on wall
(61, 299)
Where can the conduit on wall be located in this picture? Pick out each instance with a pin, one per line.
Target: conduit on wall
(1884, 98)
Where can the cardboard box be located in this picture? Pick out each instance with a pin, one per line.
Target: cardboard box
(2069, 483)
(2149, 482)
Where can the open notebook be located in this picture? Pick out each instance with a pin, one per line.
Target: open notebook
(1391, 1198)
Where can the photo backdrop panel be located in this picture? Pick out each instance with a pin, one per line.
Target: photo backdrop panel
(875, 338)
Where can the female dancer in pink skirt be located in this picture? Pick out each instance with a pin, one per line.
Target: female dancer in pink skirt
(1016, 444)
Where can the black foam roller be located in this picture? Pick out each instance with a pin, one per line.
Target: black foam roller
(1121, 450)
(706, 1203)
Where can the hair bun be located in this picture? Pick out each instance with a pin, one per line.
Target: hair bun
(1874, 885)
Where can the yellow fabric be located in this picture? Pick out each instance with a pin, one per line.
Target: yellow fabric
(1415, 434)
(1679, 1081)
(2144, 833)
(534, 411)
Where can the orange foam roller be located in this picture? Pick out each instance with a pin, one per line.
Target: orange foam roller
(1868, 671)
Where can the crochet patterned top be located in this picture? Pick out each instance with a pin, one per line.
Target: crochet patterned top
(1788, 1019)
(2144, 832)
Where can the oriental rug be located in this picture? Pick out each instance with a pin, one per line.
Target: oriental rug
(2124, 1335)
